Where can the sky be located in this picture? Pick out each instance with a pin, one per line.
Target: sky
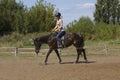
(69, 9)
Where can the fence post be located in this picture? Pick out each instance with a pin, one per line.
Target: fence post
(16, 51)
(106, 50)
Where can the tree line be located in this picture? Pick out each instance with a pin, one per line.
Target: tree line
(16, 17)
(106, 24)
(107, 11)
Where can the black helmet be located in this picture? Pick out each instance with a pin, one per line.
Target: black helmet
(57, 14)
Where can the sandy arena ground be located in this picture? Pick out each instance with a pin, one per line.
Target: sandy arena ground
(32, 68)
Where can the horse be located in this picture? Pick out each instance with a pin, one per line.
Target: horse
(72, 39)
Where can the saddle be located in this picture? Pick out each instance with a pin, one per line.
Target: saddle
(63, 38)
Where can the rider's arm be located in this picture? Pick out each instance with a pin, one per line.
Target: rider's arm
(60, 25)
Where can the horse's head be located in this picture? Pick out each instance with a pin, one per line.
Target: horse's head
(37, 44)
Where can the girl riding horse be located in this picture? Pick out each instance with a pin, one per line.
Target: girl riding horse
(59, 29)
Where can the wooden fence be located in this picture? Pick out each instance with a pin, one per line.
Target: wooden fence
(104, 49)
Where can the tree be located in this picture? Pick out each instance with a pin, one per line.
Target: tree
(11, 14)
(49, 20)
(118, 13)
(107, 11)
(15, 17)
(41, 17)
(83, 26)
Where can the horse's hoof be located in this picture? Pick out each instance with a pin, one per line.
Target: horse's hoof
(60, 62)
(45, 63)
(86, 61)
(76, 62)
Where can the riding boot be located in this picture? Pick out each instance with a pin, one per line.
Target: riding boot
(61, 46)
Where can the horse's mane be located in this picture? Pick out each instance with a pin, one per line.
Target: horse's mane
(43, 39)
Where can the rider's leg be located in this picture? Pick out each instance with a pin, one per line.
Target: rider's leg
(58, 37)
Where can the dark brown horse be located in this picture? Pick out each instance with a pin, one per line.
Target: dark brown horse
(72, 39)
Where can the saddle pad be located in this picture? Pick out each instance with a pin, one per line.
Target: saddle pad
(65, 36)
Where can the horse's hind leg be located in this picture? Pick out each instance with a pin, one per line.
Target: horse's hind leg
(79, 52)
(58, 55)
(78, 55)
(83, 50)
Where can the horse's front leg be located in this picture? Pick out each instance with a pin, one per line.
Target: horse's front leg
(85, 58)
(58, 55)
(50, 50)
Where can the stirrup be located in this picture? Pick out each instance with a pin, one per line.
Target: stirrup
(60, 46)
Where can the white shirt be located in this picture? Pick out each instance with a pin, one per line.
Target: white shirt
(59, 25)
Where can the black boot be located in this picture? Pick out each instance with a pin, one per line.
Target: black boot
(61, 46)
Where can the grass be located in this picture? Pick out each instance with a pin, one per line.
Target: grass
(19, 40)
(2, 55)
(7, 56)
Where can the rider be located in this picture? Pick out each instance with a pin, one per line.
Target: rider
(59, 28)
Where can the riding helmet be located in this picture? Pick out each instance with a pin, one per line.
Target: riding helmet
(58, 14)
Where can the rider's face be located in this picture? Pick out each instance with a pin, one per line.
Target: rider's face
(57, 17)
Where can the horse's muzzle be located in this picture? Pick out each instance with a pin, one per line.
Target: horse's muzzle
(37, 51)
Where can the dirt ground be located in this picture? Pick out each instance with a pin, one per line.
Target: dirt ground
(32, 68)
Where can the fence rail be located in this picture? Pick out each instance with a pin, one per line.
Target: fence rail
(94, 49)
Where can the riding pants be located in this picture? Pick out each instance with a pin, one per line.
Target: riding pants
(59, 35)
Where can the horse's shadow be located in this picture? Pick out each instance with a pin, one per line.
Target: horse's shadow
(80, 62)
(65, 63)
